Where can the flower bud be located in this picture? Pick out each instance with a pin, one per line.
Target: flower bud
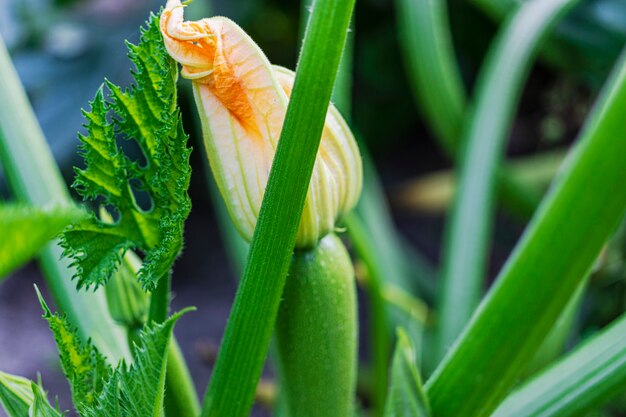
(242, 100)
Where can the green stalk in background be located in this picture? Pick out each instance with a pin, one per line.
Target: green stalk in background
(468, 231)
(496, 9)
(424, 35)
(575, 220)
(34, 178)
(252, 319)
(380, 333)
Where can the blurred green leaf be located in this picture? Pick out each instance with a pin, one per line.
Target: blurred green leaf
(406, 395)
(25, 230)
(431, 65)
(20, 397)
(16, 394)
(585, 43)
(40, 406)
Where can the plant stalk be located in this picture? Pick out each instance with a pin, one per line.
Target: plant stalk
(249, 330)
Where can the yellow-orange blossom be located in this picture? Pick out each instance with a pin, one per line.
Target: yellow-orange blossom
(242, 100)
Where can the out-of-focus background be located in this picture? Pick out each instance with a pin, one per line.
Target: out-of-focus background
(63, 49)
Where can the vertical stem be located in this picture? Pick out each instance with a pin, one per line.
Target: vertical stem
(180, 394)
(251, 322)
(160, 300)
(181, 398)
(378, 317)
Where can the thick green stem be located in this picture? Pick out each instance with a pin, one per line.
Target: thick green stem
(316, 332)
(34, 178)
(249, 330)
(160, 300)
(380, 334)
(181, 398)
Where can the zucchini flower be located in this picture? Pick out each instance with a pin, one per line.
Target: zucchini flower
(242, 100)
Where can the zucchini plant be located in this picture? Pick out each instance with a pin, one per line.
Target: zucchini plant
(289, 172)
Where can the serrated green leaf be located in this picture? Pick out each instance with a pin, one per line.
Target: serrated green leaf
(406, 395)
(126, 391)
(147, 114)
(85, 368)
(138, 391)
(25, 230)
(15, 394)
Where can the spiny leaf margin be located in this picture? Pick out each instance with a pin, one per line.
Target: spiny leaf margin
(84, 367)
(146, 113)
(132, 391)
(98, 390)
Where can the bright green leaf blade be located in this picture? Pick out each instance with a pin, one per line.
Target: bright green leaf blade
(499, 87)
(556, 342)
(559, 247)
(406, 395)
(251, 322)
(146, 113)
(25, 230)
(36, 180)
(16, 394)
(581, 381)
